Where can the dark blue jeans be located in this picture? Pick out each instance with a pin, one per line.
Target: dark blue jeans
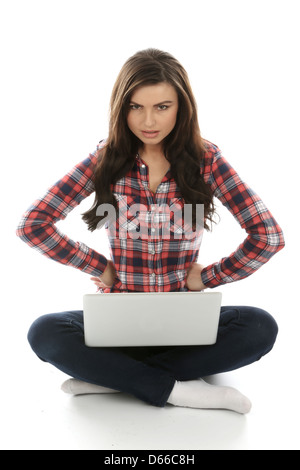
(149, 373)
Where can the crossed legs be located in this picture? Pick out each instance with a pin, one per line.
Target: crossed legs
(157, 375)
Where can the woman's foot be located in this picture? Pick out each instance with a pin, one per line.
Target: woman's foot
(78, 387)
(199, 394)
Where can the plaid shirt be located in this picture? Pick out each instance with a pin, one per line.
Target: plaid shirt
(153, 263)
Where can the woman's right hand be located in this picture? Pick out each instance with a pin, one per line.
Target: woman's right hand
(107, 278)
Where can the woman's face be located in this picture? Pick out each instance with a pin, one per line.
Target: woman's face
(153, 112)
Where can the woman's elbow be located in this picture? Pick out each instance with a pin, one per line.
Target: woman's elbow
(22, 228)
(275, 241)
(29, 228)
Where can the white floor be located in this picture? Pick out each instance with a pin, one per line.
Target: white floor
(37, 415)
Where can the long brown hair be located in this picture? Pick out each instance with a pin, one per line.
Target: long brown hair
(184, 147)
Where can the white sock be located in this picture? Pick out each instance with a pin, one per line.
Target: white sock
(199, 394)
(78, 387)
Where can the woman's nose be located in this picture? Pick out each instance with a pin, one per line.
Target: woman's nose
(149, 120)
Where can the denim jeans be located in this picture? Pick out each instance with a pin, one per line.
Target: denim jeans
(149, 373)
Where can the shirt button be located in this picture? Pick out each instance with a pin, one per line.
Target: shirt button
(153, 275)
(143, 166)
(152, 251)
(153, 230)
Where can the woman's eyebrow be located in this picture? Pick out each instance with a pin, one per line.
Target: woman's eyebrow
(158, 104)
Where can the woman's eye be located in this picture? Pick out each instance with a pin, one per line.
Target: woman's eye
(134, 106)
(163, 107)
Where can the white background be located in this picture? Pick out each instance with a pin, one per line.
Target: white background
(59, 60)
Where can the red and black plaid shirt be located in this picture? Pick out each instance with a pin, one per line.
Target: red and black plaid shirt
(153, 263)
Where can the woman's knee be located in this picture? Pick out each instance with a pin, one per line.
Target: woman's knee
(262, 326)
(49, 333)
(40, 333)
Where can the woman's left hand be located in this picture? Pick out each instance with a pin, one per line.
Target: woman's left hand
(193, 277)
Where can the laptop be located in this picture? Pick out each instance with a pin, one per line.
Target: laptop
(151, 319)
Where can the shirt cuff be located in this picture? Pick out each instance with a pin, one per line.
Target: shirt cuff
(94, 264)
(211, 278)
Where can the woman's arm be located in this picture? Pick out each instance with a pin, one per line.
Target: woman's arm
(265, 237)
(37, 227)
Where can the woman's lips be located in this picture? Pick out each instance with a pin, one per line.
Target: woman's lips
(150, 134)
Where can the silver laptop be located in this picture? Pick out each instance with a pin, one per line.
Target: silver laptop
(151, 319)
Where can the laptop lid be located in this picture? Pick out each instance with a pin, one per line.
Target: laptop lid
(151, 319)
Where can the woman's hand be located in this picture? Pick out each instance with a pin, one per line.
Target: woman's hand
(193, 277)
(107, 278)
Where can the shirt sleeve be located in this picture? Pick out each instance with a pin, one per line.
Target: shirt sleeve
(38, 228)
(265, 237)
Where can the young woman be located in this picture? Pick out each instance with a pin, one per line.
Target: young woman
(154, 156)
